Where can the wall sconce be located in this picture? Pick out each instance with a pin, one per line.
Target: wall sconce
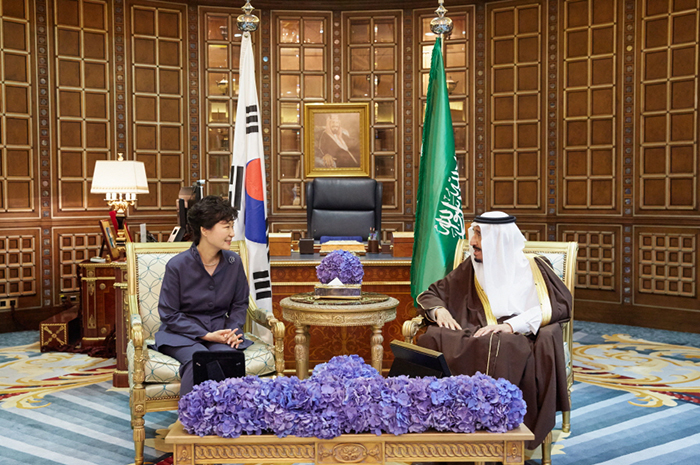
(120, 181)
(451, 85)
(223, 86)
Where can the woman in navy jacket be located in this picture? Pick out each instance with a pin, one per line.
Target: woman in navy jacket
(204, 295)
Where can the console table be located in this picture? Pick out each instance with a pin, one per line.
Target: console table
(102, 312)
(372, 310)
(97, 300)
(481, 446)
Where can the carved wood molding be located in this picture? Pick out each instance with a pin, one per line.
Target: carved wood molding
(411, 450)
(349, 453)
(257, 451)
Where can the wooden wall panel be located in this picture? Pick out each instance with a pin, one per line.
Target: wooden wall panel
(666, 272)
(517, 146)
(598, 262)
(302, 72)
(533, 231)
(74, 246)
(668, 118)
(83, 100)
(20, 266)
(159, 83)
(18, 159)
(589, 136)
(372, 44)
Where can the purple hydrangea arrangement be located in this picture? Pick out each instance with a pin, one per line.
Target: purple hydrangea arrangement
(340, 264)
(346, 395)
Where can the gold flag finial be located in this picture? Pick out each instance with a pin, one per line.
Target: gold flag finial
(441, 25)
(247, 22)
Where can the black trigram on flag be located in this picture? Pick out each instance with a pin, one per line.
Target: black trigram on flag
(236, 186)
(251, 119)
(263, 288)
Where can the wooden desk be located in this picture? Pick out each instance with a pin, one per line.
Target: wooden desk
(383, 274)
(481, 447)
(369, 311)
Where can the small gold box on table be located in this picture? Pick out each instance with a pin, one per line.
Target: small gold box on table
(358, 248)
(346, 292)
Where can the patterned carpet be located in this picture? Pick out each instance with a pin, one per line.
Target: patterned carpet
(634, 402)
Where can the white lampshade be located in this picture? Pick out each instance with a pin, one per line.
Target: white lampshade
(119, 177)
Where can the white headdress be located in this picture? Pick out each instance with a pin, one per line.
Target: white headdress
(504, 273)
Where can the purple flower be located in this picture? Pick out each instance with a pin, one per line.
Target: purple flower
(399, 408)
(346, 395)
(345, 367)
(342, 265)
(361, 408)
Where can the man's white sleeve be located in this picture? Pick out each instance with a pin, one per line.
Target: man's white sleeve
(527, 322)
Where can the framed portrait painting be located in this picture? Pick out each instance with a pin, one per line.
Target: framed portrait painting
(336, 139)
(109, 239)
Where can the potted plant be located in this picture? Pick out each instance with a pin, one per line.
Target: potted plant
(340, 275)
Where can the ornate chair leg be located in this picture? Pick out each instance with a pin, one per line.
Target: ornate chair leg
(566, 421)
(139, 439)
(138, 410)
(547, 450)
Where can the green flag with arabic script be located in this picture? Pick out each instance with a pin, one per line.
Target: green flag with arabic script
(439, 217)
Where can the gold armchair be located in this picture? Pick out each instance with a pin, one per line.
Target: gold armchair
(154, 380)
(562, 256)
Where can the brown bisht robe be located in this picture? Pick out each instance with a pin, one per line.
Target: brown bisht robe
(535, 364)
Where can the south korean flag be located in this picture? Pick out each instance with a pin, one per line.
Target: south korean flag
(247, 186)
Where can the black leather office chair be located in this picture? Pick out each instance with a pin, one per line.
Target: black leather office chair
(343, 207)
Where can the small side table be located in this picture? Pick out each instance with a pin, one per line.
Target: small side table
(372, 310)
(97, 300)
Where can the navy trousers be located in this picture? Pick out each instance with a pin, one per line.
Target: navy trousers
(184, 356)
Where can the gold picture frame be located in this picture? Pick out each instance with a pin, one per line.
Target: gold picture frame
(110, 240)
(336, 140)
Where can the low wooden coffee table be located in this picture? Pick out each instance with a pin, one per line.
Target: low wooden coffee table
(351, 448)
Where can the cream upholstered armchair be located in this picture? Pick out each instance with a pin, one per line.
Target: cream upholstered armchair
(562, 256)
(154, 380)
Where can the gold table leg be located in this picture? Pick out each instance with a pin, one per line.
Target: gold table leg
(377, 349)
(301, 350)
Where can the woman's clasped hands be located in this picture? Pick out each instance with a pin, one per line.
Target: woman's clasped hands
(230, 337)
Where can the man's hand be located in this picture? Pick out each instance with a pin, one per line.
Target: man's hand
(444, 319)
(328, 161)
(486, 330)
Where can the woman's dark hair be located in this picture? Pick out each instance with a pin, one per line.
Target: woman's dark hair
(207, 212)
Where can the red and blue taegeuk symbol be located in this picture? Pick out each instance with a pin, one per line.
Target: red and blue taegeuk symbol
(255, 227)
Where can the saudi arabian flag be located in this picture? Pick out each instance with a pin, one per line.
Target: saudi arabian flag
(439, 217)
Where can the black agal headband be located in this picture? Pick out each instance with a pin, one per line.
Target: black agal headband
(494, 220)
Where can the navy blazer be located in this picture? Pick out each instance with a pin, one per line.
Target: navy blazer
(193, 303)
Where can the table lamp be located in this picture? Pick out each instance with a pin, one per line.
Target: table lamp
(120, 181)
